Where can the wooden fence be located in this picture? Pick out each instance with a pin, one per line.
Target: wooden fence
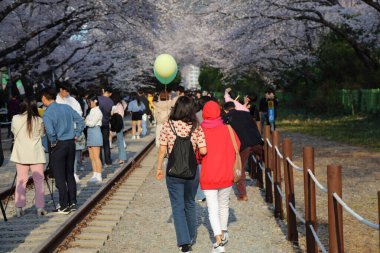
(268, 173)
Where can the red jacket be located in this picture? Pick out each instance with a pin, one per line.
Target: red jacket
(217, 165)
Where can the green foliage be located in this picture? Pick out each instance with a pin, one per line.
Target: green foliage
(315, 84)
(210, 79)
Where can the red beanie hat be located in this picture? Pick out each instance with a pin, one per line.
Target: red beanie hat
(211, 110)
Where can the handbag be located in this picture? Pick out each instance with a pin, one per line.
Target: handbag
(237, 169)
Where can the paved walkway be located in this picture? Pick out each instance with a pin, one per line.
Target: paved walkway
(146, 225)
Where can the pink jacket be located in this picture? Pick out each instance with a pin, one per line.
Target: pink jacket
(238, 106)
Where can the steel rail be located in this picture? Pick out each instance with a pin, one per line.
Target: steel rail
(65, 229)
(11, 190)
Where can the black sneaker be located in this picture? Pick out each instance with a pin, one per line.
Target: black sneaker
(62, 211)
(73, 207)
(185, 248)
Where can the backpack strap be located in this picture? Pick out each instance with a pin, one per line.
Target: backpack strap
(175, 133)
(173, 128)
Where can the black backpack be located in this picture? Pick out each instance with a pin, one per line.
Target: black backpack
(116, 122)
(182, 162)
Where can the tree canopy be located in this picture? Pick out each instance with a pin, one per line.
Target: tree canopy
(119, 39)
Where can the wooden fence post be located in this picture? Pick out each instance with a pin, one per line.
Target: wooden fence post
(289, 191)
(335, 211)
(278, 210)
(378, 210)
(310, 199)
(268, 163)
(259, 172)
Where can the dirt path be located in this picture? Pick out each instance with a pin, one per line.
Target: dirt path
(361, 181)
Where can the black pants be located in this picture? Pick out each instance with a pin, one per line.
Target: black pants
(62, 163)
(106, 145)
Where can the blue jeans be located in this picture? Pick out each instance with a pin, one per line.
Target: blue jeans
(120, 146)
(200, 194)
(182, 198)
(144, 129)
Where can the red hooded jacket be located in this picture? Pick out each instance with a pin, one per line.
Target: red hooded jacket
(217, 164)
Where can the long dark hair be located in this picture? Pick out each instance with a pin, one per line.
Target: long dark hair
(116, 97)
(30, 107)
(93, 97)
(184, 110)
(137, 98)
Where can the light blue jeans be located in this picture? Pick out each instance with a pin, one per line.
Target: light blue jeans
(200, 194)
(144, 122)
(182, 198)
(120, 146)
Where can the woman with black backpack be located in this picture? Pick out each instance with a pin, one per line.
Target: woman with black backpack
(181, 127)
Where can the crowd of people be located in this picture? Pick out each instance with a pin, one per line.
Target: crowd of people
(62, 124)
(216, 129)
(70, 123)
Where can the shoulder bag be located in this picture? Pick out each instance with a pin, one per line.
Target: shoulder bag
(237, 169)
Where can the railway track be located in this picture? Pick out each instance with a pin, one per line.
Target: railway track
(45, 234)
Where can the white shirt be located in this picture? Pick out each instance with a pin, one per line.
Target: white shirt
(119, 108)
(72, 102)
(94, 118)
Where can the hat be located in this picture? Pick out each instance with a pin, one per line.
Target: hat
(211, 110)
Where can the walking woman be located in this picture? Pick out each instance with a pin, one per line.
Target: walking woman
(93, 122)
(119, 109)
(181, 191)
(162, 110)
(217, 172)
(136, 107)
(28, 153)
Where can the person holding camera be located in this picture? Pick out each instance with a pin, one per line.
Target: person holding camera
(59, 120)
(28, 153)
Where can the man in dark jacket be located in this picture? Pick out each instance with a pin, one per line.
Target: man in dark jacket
(250, 139)
(105, 105)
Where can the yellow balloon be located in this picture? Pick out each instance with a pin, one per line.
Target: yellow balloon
(165, 65)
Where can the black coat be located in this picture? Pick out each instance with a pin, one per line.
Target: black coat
(245, 128)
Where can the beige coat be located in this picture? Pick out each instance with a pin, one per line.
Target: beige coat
(27, 149)
(162, 110)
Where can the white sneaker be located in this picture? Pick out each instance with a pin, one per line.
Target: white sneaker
(77, 180)
(41, 212)
(19, 212)
(133, 137)
(218, 248)
(98, 177)
(225, 238)
(138, 137)
(93, 179)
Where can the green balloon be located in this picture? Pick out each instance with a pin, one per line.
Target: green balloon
(165, 80)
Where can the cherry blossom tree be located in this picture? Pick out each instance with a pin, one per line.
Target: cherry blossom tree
(119, 39)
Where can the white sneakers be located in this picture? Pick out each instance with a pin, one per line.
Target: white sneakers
(218, 248)
(77, 180)
(225, 238)
(19, 212)
(41, 212)
(96, 178)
